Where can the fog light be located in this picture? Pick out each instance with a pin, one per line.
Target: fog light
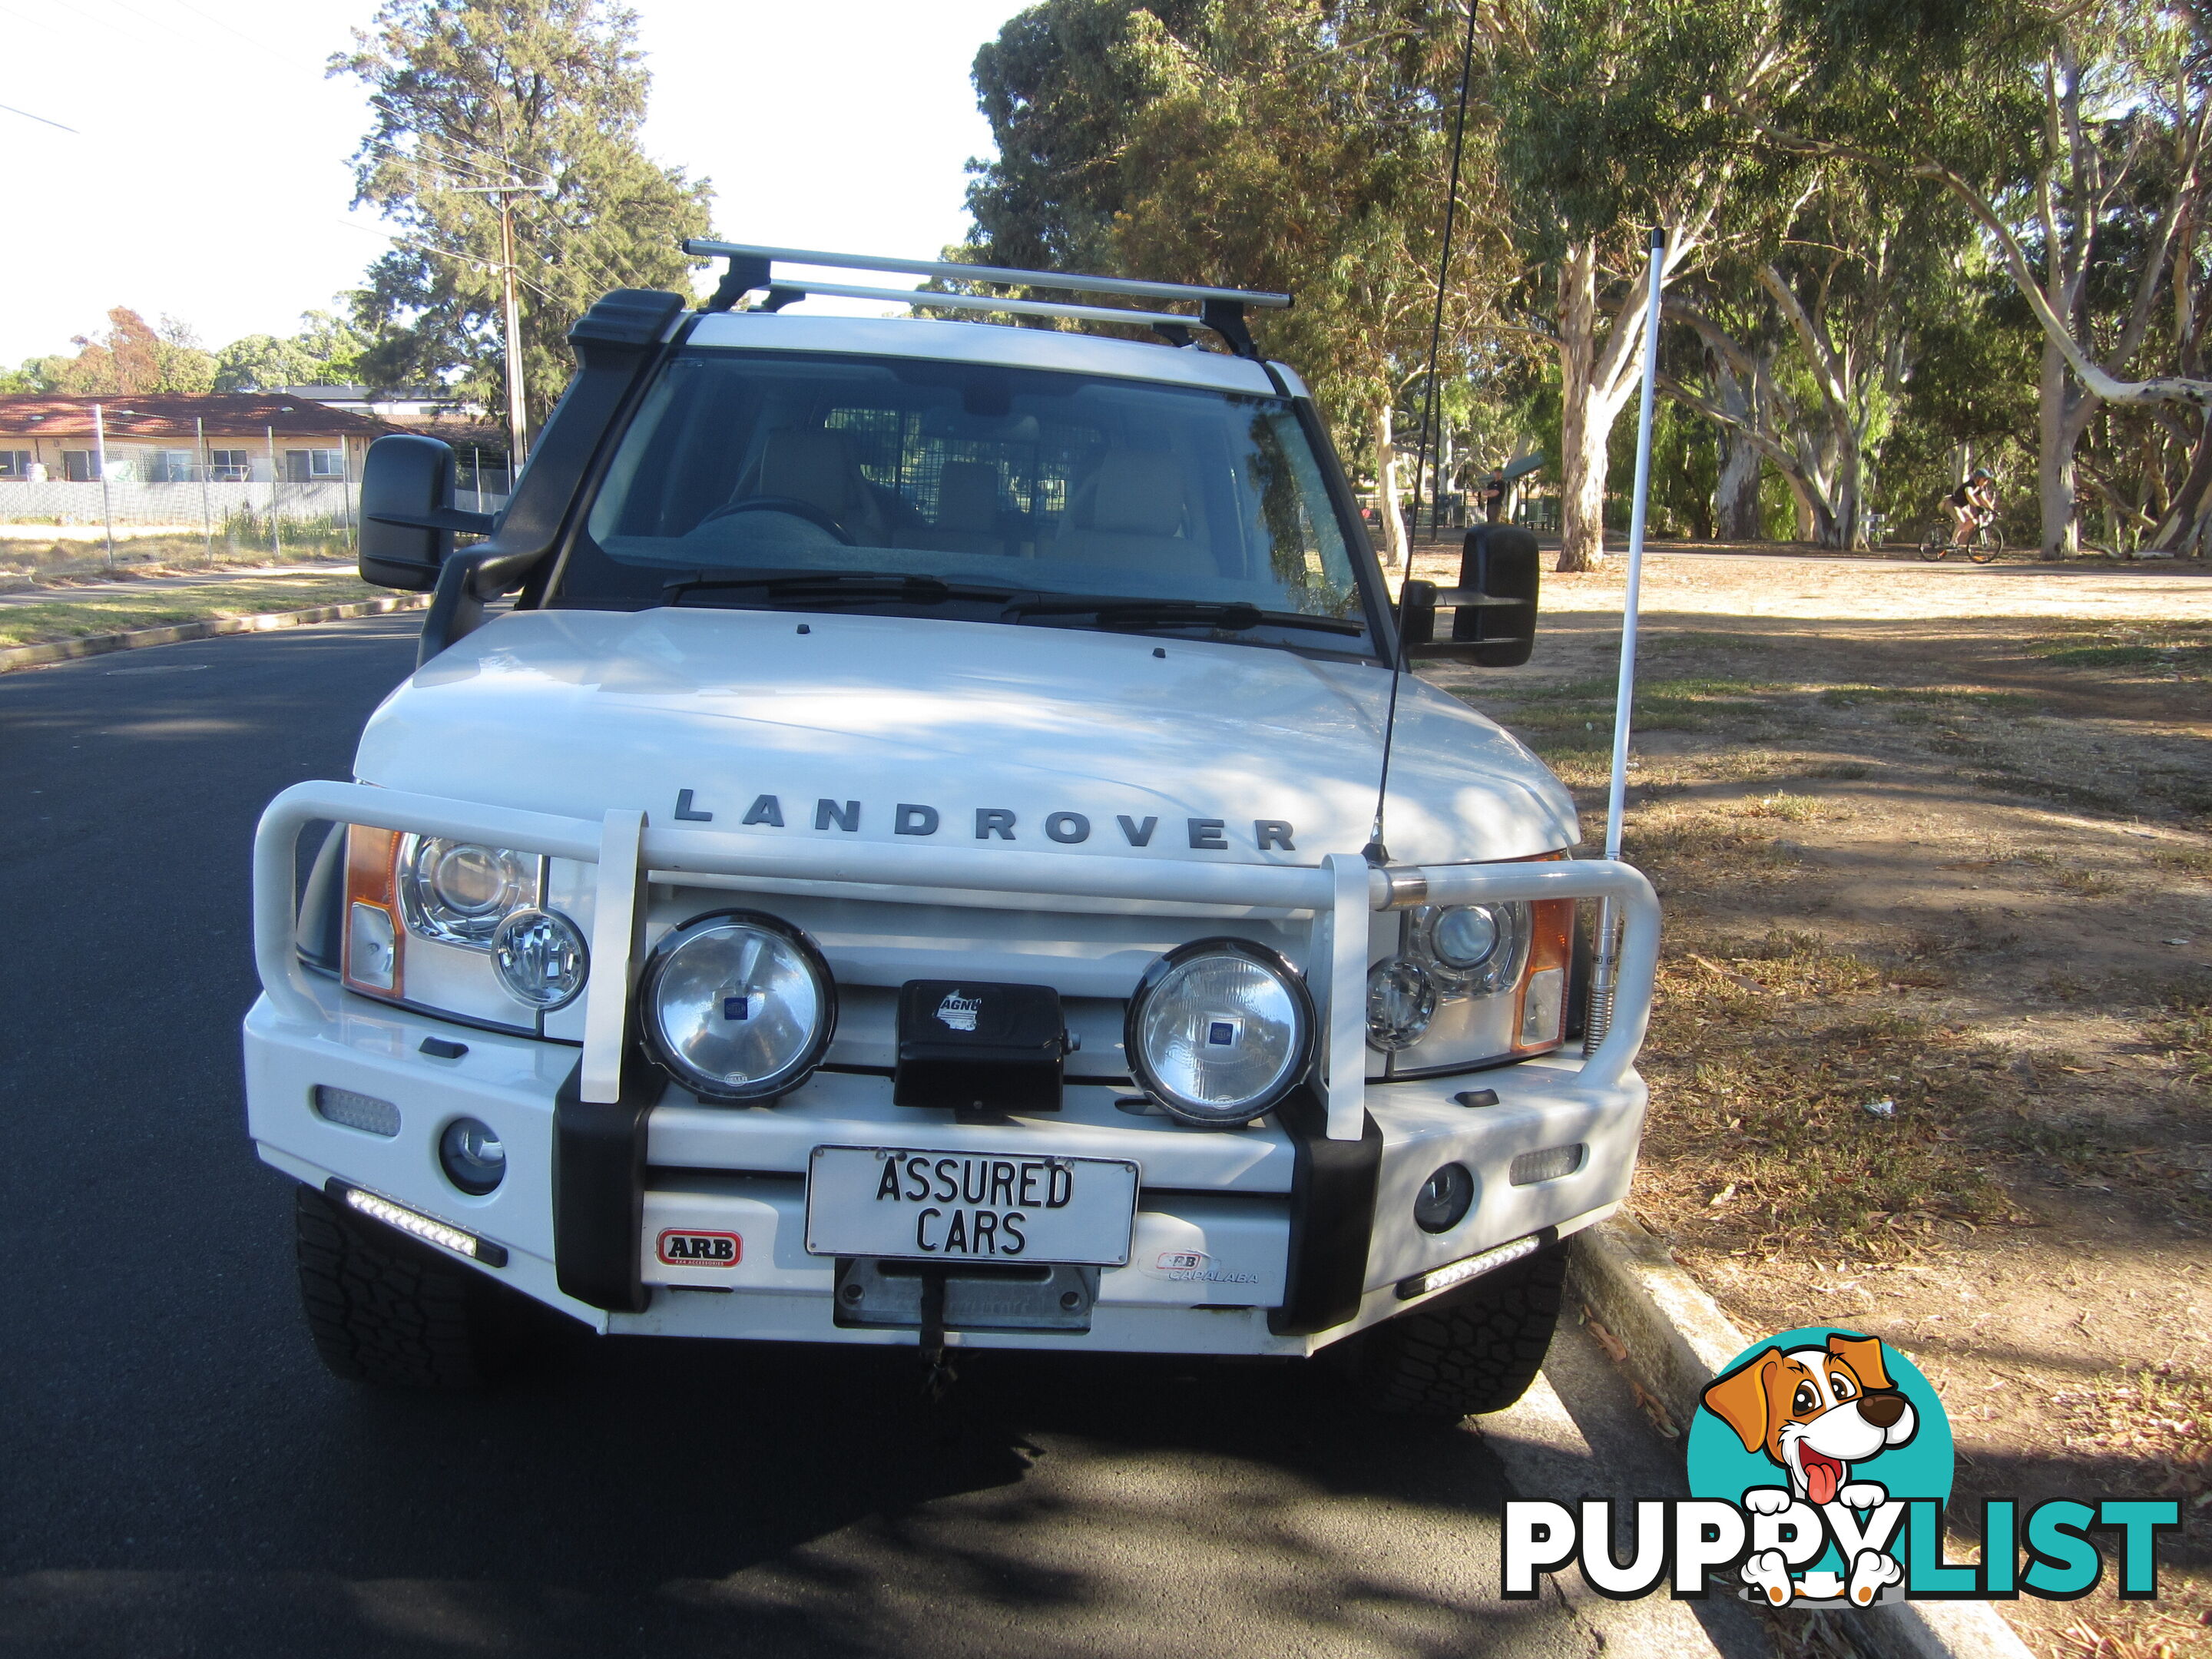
(1442, 1203)
(540, 959)
(471, 1156)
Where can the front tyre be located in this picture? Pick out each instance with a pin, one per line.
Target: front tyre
(1469, 1351)
(1986, 545)
(385, 1309)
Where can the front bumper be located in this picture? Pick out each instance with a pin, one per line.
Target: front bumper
(1211, 1255)
(1278, 1238)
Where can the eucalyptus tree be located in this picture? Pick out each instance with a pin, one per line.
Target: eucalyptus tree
(1615, 122)
(529, 108)
(2070, 134)
(1289, 145)
(1809, 333)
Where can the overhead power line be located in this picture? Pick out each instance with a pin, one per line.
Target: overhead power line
(27, 116)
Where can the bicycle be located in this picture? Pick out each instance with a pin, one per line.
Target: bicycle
(1982, 543)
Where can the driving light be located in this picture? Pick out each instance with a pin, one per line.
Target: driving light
(1458, 1272)
(739, 1005)
(457, 892)
(415, 1224)
(1442, 1203)
(471, 1154)
(1219, 1030)
(1401, 1000)
(540, 958)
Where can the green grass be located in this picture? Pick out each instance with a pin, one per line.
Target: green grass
(112, 612)
(1852, 697)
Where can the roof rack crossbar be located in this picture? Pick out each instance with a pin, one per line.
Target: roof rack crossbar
(917, 298)
(1072, 281)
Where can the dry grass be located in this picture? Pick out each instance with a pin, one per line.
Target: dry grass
(1793, 1105)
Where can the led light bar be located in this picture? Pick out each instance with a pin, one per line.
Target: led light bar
(415, 1224)
(1474, 1266)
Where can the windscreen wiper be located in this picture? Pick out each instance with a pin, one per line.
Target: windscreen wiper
(1228, 616)
(833, 585)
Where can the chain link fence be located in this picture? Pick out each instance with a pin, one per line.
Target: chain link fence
(69, 531)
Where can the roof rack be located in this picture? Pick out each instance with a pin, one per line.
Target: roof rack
(1220, 309)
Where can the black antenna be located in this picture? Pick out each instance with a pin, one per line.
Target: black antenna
(1375, 852)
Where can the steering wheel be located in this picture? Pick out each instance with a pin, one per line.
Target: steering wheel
(790, 505)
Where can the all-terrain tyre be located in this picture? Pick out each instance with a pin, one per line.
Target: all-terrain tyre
(385, 1309)
(1469, 1351)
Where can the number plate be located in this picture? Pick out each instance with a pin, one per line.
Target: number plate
(915, 1205)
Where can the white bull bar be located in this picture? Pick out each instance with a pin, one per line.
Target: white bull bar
(1341, 893)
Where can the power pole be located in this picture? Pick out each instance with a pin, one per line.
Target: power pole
(99, 464)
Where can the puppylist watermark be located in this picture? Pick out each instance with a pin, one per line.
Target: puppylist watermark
(1821, 1463)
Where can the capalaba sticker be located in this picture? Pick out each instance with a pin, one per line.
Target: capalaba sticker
(1819, 1468)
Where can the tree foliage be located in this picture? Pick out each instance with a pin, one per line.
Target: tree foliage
(543, 100)
(326, 351)
(130, 358)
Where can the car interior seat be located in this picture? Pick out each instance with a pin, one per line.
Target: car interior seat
(967, 513)
(1134, 512)
(822, 469)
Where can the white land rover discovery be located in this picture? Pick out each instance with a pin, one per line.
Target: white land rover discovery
(906, 869)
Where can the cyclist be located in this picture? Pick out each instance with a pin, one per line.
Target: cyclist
(1972, 505)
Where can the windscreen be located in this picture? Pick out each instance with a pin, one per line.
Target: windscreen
(1031, 482)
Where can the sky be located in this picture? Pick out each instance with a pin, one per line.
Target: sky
(208, 177)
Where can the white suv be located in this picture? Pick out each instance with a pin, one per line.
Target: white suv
(909, 868)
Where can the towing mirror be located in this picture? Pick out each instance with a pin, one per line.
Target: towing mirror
(1494, 606)
(407, 513)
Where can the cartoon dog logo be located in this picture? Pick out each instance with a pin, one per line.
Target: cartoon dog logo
(1817, 1414)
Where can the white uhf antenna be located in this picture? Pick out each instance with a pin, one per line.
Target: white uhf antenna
(1605, 971)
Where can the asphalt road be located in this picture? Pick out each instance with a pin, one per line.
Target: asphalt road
(178, 1475)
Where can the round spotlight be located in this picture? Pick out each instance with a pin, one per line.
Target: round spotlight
(1442, 1203)
(540, 958)
(1219, 1030)
(471, 1156)
(1401, 1000)
(739, 1005)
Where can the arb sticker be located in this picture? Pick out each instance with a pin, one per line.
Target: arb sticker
(681, 1248)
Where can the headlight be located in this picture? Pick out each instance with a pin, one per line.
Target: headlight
(457, 892)
(1471, 985)
(458, 928)
(739, 1005)
(1219, 1030)
(1471, 950)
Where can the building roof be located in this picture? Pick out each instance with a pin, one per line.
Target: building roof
(171, 414)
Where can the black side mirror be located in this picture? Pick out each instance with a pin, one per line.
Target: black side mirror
(1494, 606)
(1417, 615)
(407, 513)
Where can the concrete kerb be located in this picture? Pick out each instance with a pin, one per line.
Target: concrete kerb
(96, 645)
(1678, 1340)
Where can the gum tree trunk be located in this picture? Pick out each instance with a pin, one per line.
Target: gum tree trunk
(2054, 469)
(1395, 548)
(1581, 492)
